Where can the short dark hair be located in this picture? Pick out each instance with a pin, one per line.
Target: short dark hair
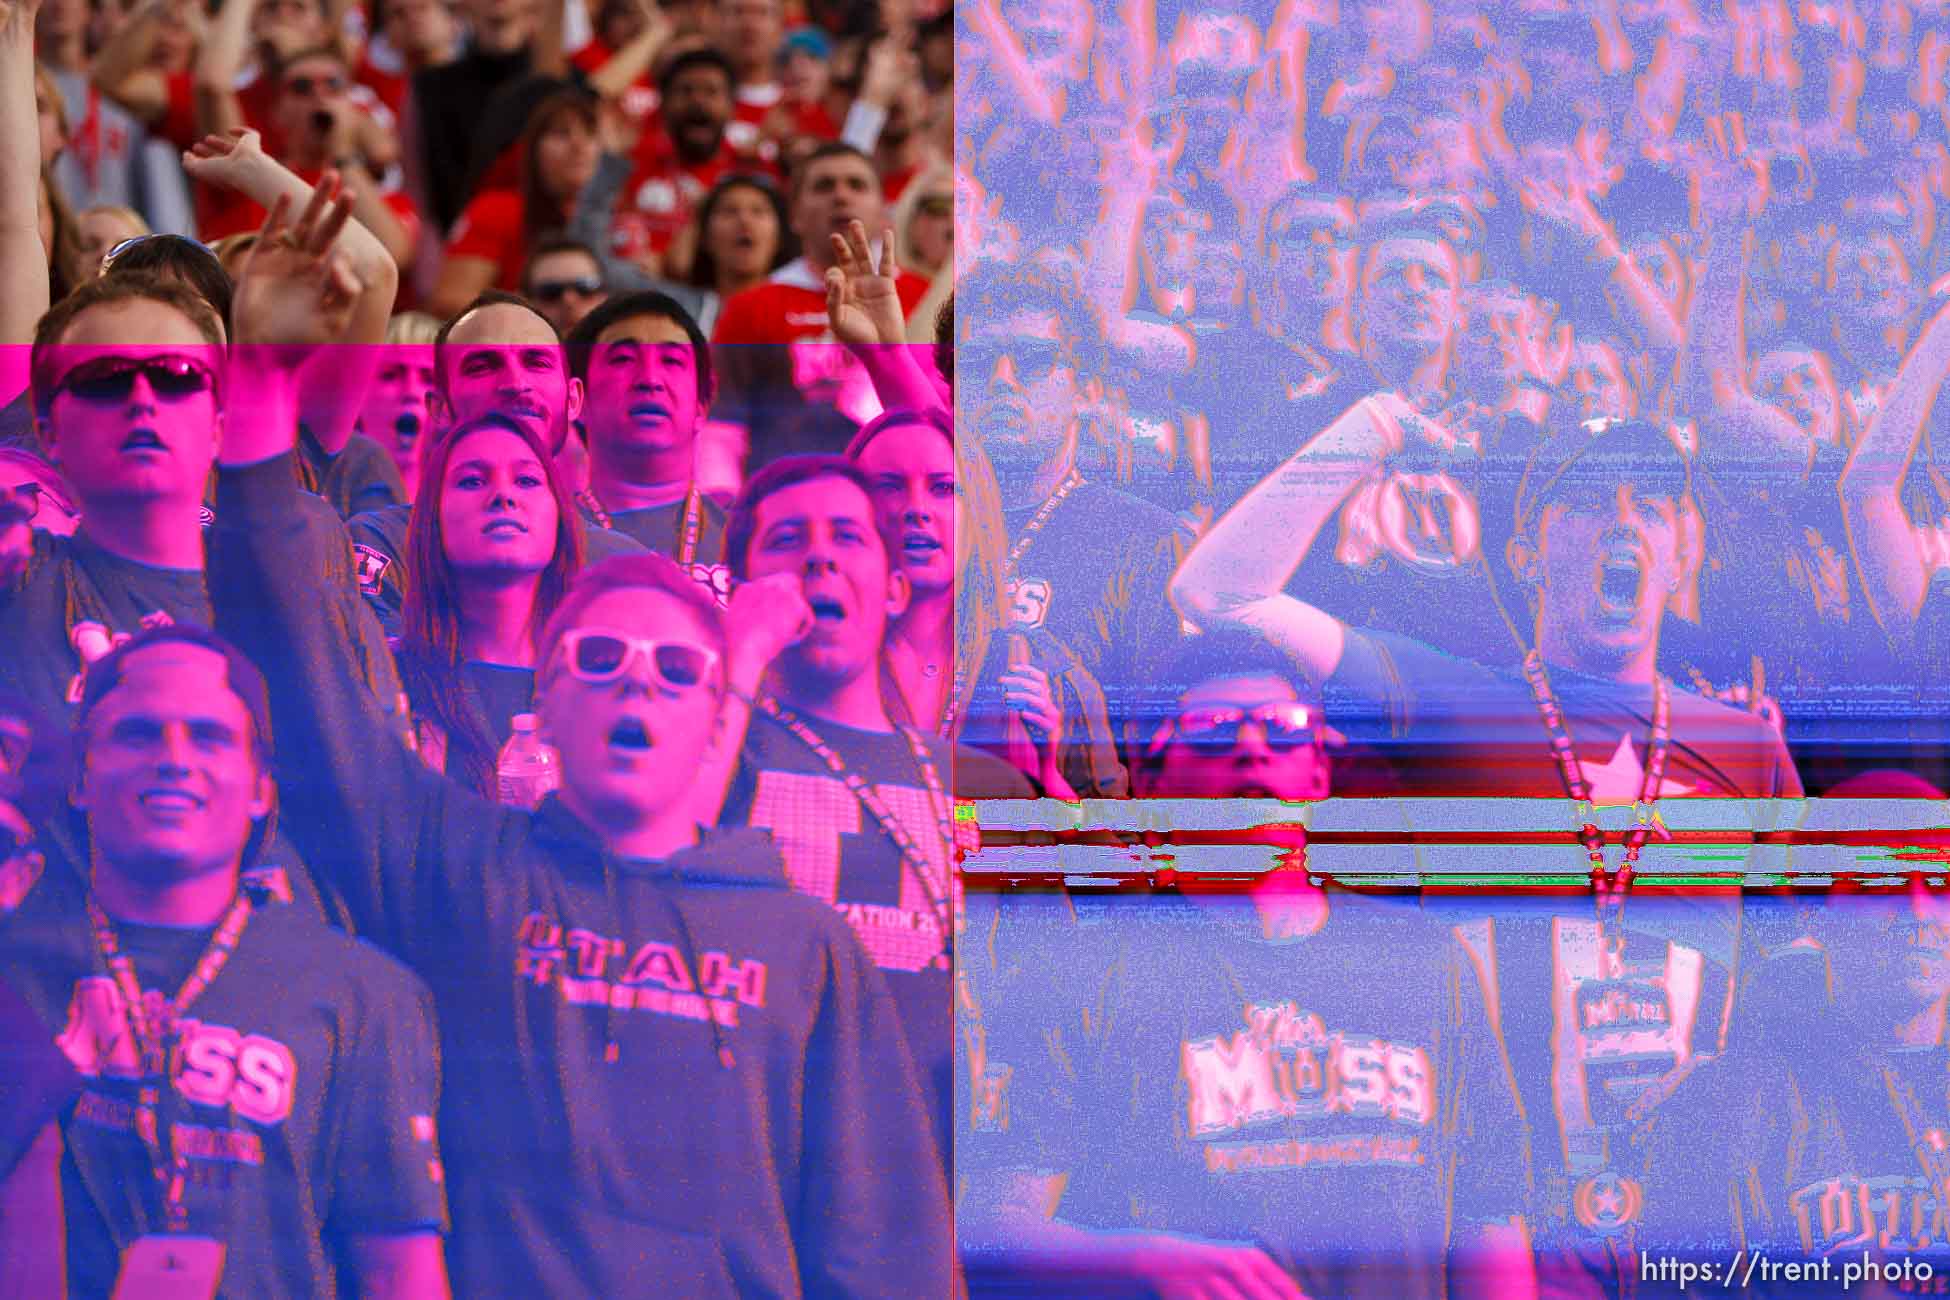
(645, 570)
(105, 674)
(997, 289)
(944, 340)
(831, 149)
(488, 298)
(741, 524)
(1232, 652)
(647, 302)
(185, 259)
(702, 56)
(101, 292)
(552, 245)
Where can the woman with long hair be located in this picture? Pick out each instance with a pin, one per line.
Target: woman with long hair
(492, 548)
(489, 244)
(741, 235)
(955, 664)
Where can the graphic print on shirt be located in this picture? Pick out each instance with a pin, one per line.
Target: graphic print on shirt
(1286, 1066)
(1621, 1022)
(1029, 601)
(817, 822)
(214, 1066)
(1894, 1214)
(593, 970)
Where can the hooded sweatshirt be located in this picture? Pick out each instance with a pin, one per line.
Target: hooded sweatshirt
(674, 1077)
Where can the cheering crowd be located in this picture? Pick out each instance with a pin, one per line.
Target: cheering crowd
(1528, 413)
(519, 583)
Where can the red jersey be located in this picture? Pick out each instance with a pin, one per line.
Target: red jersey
(792, 306)
(491, 228)
(662, 195)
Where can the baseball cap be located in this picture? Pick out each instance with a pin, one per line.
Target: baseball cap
(1604, 451)
(807, 40)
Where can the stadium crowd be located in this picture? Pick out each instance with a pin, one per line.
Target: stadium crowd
(519, 583)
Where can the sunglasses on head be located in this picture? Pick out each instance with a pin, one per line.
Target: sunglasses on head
(555, 290)
(598, 655)
(111, 380)
(323, 85)
(1288, 726)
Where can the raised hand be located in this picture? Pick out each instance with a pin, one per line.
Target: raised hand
(297, 290)
(227, 160)
(1727, 179)
(863, 302)
(763, 617)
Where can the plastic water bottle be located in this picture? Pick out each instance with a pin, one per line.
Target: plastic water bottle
(526, 769)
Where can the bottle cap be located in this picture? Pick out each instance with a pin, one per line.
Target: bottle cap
(526, 722)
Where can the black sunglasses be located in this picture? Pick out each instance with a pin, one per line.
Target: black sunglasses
(107, 381)
(1288, 726)
(556, 290)
(323, 85)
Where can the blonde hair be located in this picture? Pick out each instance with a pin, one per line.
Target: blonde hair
(233, 246)
(120, 213)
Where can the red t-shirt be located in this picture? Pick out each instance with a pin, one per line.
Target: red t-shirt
(490, 227)
(792, 306)
(662, 195)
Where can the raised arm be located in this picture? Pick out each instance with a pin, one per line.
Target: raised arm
(218, 65)
(1237, 574)
(1744, 433)
(122, 70)
(332, 391)
(23, 261)
(1887, 546)
(358, 802)
(863, 306)
(628, 64)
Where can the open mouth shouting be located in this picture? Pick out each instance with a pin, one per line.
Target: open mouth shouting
(406, 428)
(630, 739)
(1621, 576)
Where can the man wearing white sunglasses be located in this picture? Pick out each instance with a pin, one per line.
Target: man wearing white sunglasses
(667, 1072)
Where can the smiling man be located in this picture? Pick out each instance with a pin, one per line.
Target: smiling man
(1599, 550)
(646, 369)
(302, 1077)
